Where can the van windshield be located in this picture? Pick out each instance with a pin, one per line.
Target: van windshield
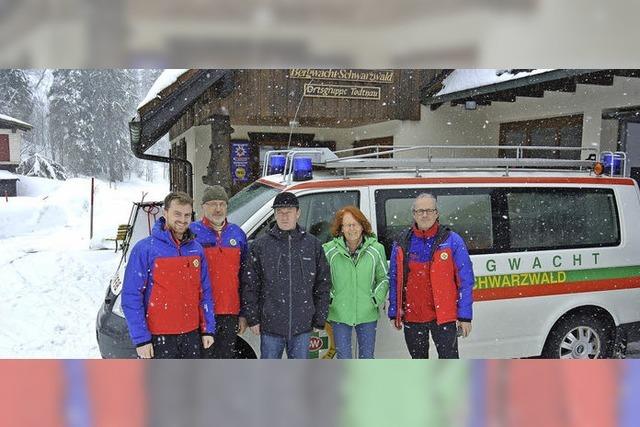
(246, 202)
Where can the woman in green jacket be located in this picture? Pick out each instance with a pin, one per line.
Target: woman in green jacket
(360, 282)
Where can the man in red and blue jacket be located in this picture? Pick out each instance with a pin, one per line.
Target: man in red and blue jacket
(166, 294)
(431, 283)
(225, 246)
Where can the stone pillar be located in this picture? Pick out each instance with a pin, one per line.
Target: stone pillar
(219, 167)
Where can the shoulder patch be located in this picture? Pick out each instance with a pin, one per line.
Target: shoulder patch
(196, 263)
(233, 242)
(444, 256)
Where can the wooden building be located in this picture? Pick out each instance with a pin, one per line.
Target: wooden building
(223, 121)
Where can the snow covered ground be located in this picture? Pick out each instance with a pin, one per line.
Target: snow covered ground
(52, 276)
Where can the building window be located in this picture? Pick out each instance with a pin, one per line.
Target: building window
(555, 132)
(5, 156)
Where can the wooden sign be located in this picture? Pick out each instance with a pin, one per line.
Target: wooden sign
(341, 91)
(362, 76)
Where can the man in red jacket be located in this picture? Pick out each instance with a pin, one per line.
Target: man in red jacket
(431, 282)
(166, 294)
(225, 246)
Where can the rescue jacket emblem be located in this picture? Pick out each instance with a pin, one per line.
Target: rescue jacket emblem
(444, 256)
(233, 242)
(196, 263)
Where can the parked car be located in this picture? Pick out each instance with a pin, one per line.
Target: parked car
(554, 248)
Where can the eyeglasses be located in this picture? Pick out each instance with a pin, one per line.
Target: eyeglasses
(424, 211)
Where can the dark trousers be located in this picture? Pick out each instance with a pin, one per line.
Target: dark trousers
(224, 344)
(445, 337)
(180, 346)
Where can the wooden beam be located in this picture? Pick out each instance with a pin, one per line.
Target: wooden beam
(564, 85)
(600, 79)
(531, 91)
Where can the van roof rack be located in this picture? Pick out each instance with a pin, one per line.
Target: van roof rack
(423, 158)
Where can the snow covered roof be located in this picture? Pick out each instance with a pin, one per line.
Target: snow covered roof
(164, 80)
(484, 86)
(6, 120)
(463, 79)
(171, 95)
(6, 175)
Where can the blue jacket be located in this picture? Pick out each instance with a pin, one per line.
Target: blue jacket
(450, 270)
(166, 287)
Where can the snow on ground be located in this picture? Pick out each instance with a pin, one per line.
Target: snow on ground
(52, 282)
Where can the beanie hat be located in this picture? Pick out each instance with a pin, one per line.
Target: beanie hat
(285, 200)
(216, 192)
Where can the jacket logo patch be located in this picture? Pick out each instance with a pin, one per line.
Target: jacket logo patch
(444, 256)
(233, 242)
(196, 263)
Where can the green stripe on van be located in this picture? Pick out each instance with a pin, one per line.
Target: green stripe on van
(555, 277)
(603, 273)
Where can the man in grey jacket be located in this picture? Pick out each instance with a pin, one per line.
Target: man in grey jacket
(286, 284)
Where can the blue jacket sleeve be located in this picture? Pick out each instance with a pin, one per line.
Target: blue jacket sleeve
(136, 279)
(393, 294)
(244, 249)
(207, 304)
(464, 273)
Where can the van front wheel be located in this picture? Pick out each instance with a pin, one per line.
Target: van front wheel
(579, 336)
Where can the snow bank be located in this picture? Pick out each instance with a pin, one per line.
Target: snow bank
(52, 283)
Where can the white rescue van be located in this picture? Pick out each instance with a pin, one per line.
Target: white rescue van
(554, 243)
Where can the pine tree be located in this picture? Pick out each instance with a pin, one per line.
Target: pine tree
(89, 114)
(114, 103)
(16, 97)
(70, 122)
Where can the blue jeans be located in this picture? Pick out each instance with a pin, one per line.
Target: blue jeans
(366, 333)
(272, 346)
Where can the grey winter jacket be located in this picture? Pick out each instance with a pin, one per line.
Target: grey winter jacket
(286, 283)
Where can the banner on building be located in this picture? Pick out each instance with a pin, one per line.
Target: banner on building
(240, 154)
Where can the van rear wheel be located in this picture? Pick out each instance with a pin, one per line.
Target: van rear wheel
(579, 336)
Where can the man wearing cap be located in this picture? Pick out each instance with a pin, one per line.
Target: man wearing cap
(225, 247)
(286, 284)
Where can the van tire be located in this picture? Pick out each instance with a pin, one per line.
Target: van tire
(584, 335)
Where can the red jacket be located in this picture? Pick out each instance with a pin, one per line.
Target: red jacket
(450, 276)
(225, 253)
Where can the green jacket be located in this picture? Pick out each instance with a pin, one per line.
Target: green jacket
(359, 288)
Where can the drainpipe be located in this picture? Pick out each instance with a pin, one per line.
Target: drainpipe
(134, 132)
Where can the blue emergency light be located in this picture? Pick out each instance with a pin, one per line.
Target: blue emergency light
(302, 169)
(276, 164)
(612, 161)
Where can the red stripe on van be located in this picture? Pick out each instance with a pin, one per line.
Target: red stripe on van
(271, 183)
(555, 289)
(354, 182)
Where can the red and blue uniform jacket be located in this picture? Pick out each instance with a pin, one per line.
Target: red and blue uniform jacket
(431, 277)
(166, 287)
(226, 254)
